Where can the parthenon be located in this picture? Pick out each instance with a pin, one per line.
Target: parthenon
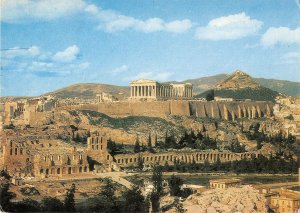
(153, 90)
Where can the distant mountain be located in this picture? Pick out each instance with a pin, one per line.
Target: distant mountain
(89, 91)
(238, 80)
(240, 85)
(282, 86)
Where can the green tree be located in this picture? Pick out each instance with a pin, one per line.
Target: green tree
(51, 204)
(258, 144)
(157, 179)
(175, 184)
(140, 163)
(137, 147)
(5, 197)
(210, 96)
(156, 141)
(170, 141)
(27, 205)
(134, 201)
(4, 174)
(108, 190)
(111, 146)
(155, 204)
(106, 200)
(157, 188)
(149, 141)
(69, 200)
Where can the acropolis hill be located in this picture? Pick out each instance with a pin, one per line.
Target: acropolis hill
(150, 123)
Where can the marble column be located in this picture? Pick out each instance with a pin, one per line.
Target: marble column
(147, 90)
(140, 91)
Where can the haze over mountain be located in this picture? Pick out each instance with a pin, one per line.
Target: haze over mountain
(89, 90)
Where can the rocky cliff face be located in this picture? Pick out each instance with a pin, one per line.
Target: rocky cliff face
(245, 199)
(238, 80)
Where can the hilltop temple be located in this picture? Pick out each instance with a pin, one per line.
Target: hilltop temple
(152, 90)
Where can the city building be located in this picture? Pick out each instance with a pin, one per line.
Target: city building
(285, 201)
(224, 183)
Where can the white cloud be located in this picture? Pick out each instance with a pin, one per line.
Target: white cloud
(112, 21)
(159, 76)
(229, 27)
(21, 52)
(67, 55)
(178, 26)
(109, 20)
(280, 35)
(40, 66)
(21, 10)
(34, 60)
(291, 58)
(150, 25)
(120, 69)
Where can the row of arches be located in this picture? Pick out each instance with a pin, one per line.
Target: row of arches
(63, 170)
(198, 157)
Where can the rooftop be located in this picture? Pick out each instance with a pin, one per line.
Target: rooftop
(225, 180)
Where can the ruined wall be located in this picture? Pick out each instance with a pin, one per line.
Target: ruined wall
(37, 118)
(60, 164)
(97, 149)
(16, 159)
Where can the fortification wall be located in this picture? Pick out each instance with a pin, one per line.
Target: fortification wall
(179, 107)
(231, 110)
(223, 110)
(92, 107)
(123, 109)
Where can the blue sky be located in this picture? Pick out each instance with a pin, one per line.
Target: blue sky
(49, 44)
